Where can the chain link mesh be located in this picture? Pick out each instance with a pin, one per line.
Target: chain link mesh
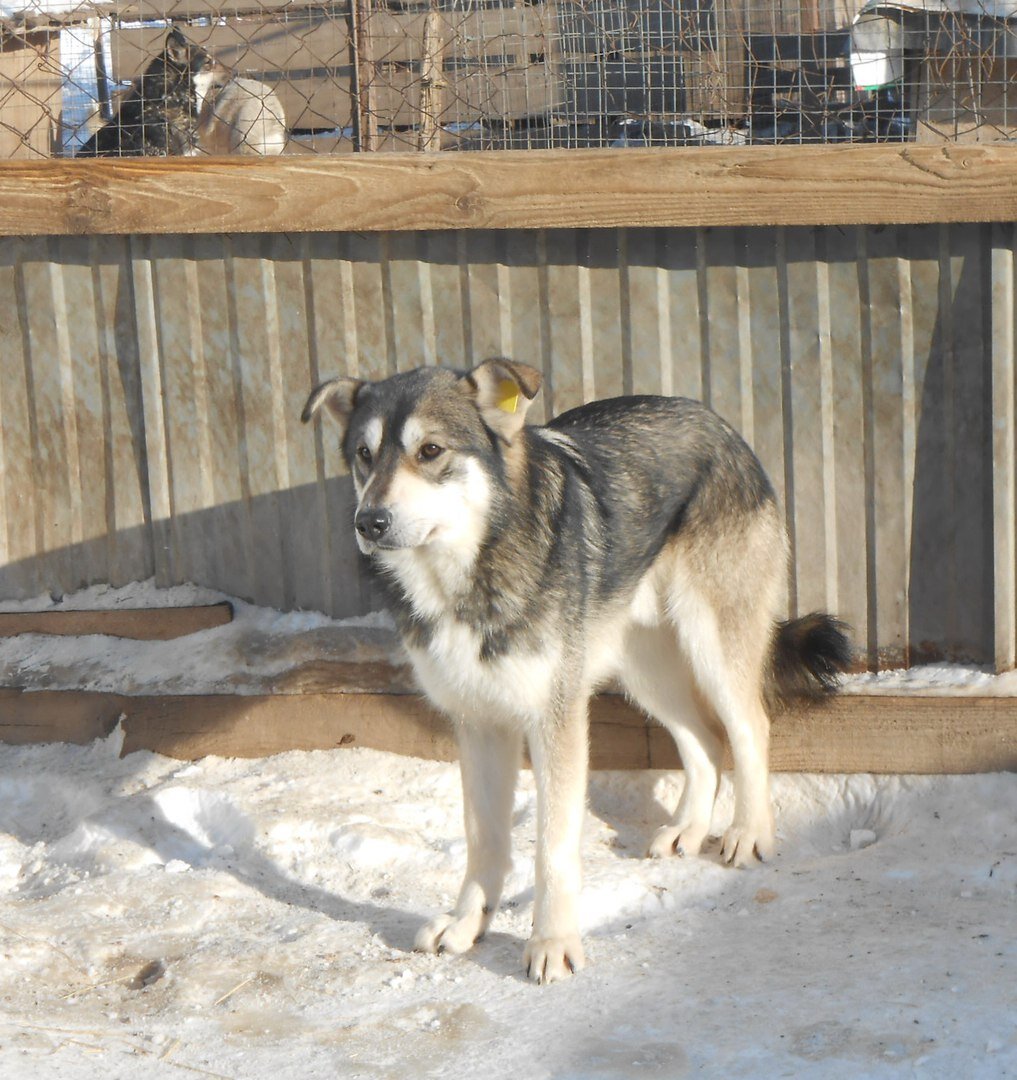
(272, 76)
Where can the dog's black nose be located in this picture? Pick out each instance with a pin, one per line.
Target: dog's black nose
(373, 524)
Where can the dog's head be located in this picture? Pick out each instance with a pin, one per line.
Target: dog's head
(177, 64)
(427, 449)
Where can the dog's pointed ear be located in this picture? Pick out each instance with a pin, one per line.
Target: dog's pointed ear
(503, 391)
(176, 46)
(338, 397)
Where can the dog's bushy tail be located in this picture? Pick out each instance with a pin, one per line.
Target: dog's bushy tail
(809, 655)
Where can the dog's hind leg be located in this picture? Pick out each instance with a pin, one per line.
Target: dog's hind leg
(729, 680)
(751, 834)
(723, 593)
(658, 679)
(489, 763)
(701, 752)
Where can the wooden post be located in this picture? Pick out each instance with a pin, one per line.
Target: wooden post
(101, 75)
(724, 70)
(432, 81)
(365, 119)
(811, 22)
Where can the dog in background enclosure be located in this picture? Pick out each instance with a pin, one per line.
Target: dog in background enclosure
(184, 104)
(238, 115)
(158, 116)
(636, 539)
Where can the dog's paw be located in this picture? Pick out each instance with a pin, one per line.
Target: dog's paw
(549, 960)
(450, 933)
(745, 844)
(679, 840)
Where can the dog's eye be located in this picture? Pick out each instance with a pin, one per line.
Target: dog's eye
(429, 451)
(364, 454)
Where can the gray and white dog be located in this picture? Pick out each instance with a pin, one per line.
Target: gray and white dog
(636, 539)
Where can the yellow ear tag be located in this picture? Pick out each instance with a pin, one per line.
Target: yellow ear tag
(508, 396)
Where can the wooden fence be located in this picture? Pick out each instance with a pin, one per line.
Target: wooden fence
(151, 379)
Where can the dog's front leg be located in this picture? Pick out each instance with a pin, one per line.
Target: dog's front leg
(559, 751)
(489, 759)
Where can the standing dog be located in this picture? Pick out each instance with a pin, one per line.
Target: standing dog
(636, 539)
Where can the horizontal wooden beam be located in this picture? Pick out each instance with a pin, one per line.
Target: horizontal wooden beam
(878, 734)
(539, 189)
(142, 624)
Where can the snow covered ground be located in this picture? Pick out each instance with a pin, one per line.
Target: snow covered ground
(254, 918)
(245, 656)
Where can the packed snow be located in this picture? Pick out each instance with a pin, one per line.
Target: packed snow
(255, 918)
(248, 655)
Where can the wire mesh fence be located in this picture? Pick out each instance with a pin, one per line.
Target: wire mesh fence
(118, 77)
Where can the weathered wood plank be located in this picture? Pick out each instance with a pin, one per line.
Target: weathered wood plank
(848, 483)
(916, 734)
(129, 555)
(21, 497)
(834, 185)
(890, 577)
(142, 624)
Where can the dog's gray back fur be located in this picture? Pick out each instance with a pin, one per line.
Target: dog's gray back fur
(606, 486)
(650, 468)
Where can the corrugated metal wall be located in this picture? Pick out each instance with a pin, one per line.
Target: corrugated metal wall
(150, 391)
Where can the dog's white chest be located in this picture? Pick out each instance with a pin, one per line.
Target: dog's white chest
(516, 687)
